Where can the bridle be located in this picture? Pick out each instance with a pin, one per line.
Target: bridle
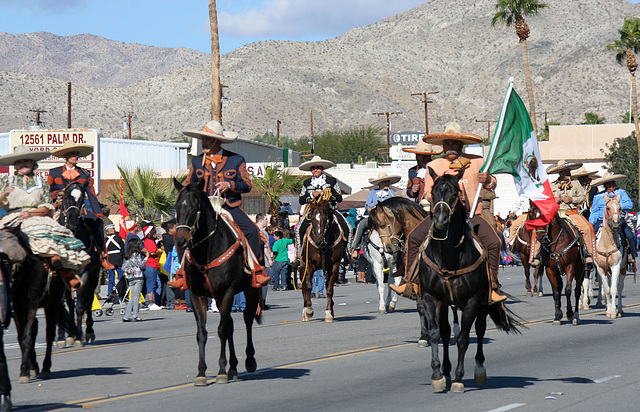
(66, 209)
(195, 226)
(452, 209)
(397, 241)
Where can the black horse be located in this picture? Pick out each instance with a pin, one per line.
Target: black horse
(214, 268)
(73, 203)
(33, 287)
(453, 273)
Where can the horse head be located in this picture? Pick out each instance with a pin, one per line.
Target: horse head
(612, 212)
(445, 199)
(384, 220)
(72, 203)
(321, 222)
(189, 206)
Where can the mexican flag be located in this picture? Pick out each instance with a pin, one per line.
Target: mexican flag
(124, 215)
(514, 150)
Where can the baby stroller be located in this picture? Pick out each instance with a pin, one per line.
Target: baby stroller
(119, 295)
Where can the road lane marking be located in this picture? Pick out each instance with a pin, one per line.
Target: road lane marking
(606, 378)
(507, 407)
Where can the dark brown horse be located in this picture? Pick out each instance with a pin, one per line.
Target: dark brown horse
(214, 268)
(522, 245)
(323, 248)
(561, 256)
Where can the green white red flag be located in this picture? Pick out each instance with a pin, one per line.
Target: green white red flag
(514, 150)
(124, 215)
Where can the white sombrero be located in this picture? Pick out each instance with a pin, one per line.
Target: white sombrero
(608, 177)
(582, 172)
(316, 161)
(423, 148)
(383, 177)
(23, 152)
(215, 130)
(452, 132)
(68, 146)
(563, 165)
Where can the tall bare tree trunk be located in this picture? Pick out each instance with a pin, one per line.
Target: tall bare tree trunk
(527, 79)
(216, 89)
(634, 108)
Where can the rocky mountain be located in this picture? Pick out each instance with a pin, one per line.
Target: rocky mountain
(447, 46)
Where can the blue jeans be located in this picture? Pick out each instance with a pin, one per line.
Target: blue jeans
(239, 302)
(318, 282)
(279, 272)
(112, 278)
(151, 279)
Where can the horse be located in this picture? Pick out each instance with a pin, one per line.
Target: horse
(382, 263)
(324, 245)
(214, 267)
(393, 219)
(561, 255)
(522, 245)
(73, 203)
(34, 287)
(612, 257)
(454, 273)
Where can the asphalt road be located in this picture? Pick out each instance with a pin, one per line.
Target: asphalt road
(362, 362)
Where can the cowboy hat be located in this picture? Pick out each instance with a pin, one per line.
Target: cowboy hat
(452, 132)
(608, 177)
(563, 165)
(213, 129)
(68, 146)
(23, 152)
(423, 148)
(316, 161)
(582, 172)
(383, 177)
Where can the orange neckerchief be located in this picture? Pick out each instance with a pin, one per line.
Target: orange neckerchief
(70, 174)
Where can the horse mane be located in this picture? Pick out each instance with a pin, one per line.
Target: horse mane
(398, 205)
(320, 204)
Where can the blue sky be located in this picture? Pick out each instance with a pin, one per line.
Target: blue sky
(174, 23)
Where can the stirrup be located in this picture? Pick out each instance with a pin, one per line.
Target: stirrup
(495, 297)
(535, 263)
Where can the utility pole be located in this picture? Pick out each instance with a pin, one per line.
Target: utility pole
(278, 131)
(426, 102)
(387, 114)
(38, 111)
(313, 147)
(488, 122)
(69, 105)
(129, 123)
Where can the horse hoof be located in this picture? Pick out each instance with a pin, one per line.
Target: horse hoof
(33, 373)
(621, 313)
(423, 343)
(599, 305)
(232, 374)
(457, 387)
(24, 379)
(307, 313)
(392, 307)
(382, 311)
(78, 344)
(480, 376)
(251, 365)
(44, 375)
(540, 294)
(529, 294)
(576, 321)
(202, 381)
(220, 379)
(439, 385)
(70, 341)
(61, 344)
(90, 337)
(556, 323)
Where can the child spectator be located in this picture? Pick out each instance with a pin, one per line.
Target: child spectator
(133, 266)
(280, 267)
(115, 249)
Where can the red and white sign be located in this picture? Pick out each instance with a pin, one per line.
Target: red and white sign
(257, 169)
(46, 139)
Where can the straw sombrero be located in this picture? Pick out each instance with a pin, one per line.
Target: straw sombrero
(383, 177)
(316, 161)
(423, 148)
(582, 172)
(23, 152)
(608, 177)
(563, 165)
(215, 130)
(452, 132)
(68, 146)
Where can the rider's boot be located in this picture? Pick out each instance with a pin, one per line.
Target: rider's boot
(631, 263)
(70, 278)
(536, 262)
(588, 262)
(407, 289)
(495, 296)
(258, 277)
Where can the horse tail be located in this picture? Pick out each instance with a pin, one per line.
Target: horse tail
(505, 319)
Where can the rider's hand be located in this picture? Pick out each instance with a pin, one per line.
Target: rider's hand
(484, 177)
(8, 190)
(223, 186)
(316, 193)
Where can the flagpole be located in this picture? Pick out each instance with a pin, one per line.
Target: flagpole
(494, 144)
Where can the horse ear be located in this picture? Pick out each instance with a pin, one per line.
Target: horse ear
(177, 184)
(460, 173)
(433, 174)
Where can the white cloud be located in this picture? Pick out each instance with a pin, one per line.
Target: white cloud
(298, 18)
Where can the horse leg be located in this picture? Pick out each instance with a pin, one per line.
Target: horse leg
(527, 283)
(578, 296)
(331, 280)
(480, 373)
(556, 287)
(611, 298)
(392, 296)
(568, 292)
(445, 335)
(537, 273)
(252, 296)
(61, 340)
(423, 341)
(199, 306)
(584, 293)
(377, 272)
(51, 316)
(307, 269)
(456, 325)
(605, 291)
(432, 311)
(468, 317)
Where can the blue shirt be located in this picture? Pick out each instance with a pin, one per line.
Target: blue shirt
(599, 203)
(377, 195)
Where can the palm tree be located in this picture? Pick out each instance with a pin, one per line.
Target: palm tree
(512, 12)
(216, 89)
(626, 49)
(593, 118)
(276, 183)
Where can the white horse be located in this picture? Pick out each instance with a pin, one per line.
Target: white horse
(380, 260)
(612, 257)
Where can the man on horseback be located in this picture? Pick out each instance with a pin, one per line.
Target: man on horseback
(452, 162)
(570, 196)
(319, 184)
(61, 177)
(415, 183)
(599, 204)
(585, 177)
(225, 173)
